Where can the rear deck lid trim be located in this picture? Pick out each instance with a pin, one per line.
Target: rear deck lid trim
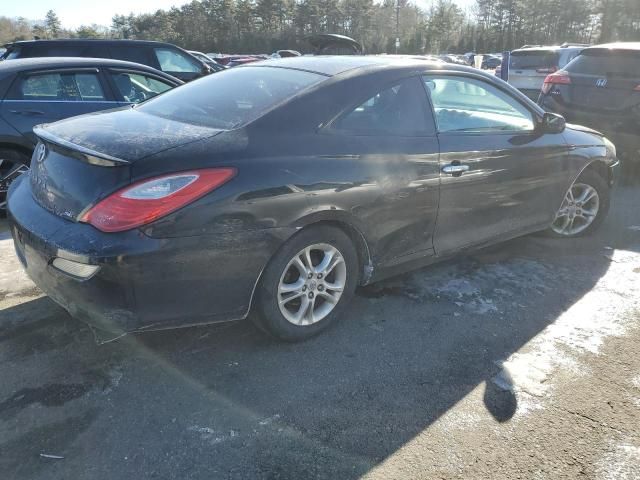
(91, 156)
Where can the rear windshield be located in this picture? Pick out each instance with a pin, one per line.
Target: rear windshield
(606, 62)
(230, 98)
(534, 60)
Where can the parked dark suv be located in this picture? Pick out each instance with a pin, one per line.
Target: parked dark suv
(163, 56)
(600, 88)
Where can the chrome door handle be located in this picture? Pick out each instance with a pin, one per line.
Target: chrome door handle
(455, 170)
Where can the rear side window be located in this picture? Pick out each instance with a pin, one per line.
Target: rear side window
(136, 87)
(231, 98)
(133, 54)
(176, 61)
(400, 110)
(533, 60)
(606, 63)
(71, 87)
(96, 51)
(57, 51)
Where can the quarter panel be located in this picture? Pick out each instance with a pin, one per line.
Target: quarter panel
(388, 187)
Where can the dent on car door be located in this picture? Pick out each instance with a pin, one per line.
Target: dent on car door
(499, 175)
(44, 97)
(388, 144)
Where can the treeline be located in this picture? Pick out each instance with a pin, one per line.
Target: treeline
(263, 26)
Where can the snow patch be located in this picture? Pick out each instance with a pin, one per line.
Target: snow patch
(622, 463)
(582, 328)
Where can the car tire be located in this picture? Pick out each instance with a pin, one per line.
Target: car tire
(580, 217)
(12, 163)
(295, 302)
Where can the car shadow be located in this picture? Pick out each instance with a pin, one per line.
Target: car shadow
(408, 350)
(230, 402)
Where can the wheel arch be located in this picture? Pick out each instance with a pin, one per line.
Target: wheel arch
(598, 166)
(17, 147)
(349, 225)
(337, 219)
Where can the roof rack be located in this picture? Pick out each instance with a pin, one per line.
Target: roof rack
(571, 44)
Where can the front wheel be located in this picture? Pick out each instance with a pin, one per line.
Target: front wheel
(307, 284)
(12, 165)
(584, 207)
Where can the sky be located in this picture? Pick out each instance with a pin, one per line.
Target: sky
(74, 13)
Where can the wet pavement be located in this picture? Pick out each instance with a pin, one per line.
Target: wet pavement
(518, 361)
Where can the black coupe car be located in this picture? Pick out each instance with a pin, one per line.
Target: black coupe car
(274, 189)
(39, 90)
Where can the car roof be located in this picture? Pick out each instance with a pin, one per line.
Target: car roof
(554, 48)
(21, 64)
(112, 41)
(616, 46)
(331, 65)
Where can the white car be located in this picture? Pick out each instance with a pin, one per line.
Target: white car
(530, 65)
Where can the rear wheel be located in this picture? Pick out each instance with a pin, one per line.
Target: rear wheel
(12, 165)
(307, 284)
(584, 207)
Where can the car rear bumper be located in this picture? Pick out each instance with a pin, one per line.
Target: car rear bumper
(141, 283)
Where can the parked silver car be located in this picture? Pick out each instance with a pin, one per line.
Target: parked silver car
(530, 65)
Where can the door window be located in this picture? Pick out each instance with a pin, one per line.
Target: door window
(400, 110)
(470, 105)
(72, 87)
(175, 61)
(136, 87)
(57, 51)
(133, 54)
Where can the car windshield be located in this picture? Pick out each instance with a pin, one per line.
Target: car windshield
(231, 98)
(606, 62)
(533, 59)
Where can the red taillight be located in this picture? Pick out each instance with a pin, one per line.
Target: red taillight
(559, 78)
(153, 198)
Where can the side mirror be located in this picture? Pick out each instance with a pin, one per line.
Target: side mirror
(552, 123)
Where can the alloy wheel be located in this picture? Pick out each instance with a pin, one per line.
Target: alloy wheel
(578, 210)
(312, 283)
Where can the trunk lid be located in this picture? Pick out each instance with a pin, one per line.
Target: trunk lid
(606, 93)
(81, 160)
(528, 68)
(604, 80)
(127, 134)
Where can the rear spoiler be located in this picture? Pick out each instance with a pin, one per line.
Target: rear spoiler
(86, 154)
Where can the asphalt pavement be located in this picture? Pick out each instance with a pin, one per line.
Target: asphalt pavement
(517, 361)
